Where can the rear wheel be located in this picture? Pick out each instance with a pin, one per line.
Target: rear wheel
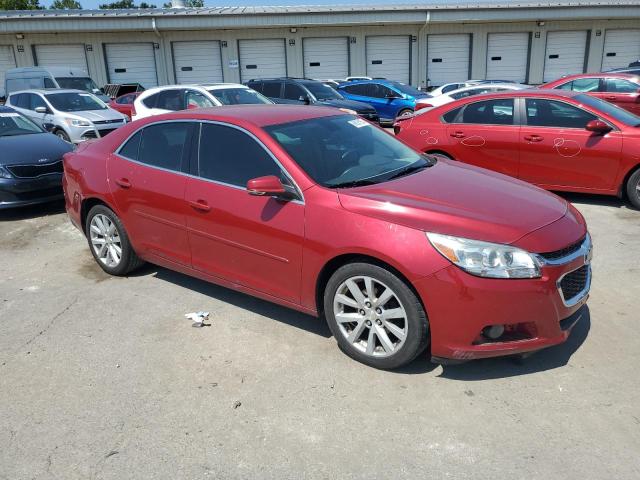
(374, 316)
(109, 242)
(633, 189)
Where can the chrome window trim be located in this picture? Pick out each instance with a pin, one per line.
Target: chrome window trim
(585, 251)
(578, 297)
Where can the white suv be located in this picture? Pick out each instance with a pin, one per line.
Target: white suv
(171, 98)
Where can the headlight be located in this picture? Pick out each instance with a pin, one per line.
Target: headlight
(78, 123)
(4, 173)
(485, 259)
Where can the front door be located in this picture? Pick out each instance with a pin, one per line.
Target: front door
(146, 178)
(485, 134)
(250, 240)
(557, 150)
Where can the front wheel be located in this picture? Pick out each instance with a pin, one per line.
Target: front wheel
(62, 135)
(633, 189)
(404, 113)
(374, 316)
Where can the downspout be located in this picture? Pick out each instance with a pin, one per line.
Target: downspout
(420, 35)
(155, 27)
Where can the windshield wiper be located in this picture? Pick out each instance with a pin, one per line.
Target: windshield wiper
(411, 169)
(353, 183)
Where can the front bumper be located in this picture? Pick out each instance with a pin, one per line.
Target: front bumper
(18, 192)
(461, 306)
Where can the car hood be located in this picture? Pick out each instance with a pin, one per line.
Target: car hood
(461, 200)
(32, 149)
(359, 107)
(96, 115)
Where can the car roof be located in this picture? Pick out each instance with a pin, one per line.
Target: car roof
(528, 92)
(507, 86)
(57, 70)
(258, 115)
(46, 91)
(627, 76)
(206, 86)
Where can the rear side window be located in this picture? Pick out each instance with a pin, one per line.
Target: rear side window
(451, 88)
(231, 156)
(20, 100)
(126, 99)
(130, 148)
(271, 89)
(172, 100)
(293, 91)
(195, 99)
(164, 145)
(451, 115)
(619, 85)
(151, 100)
(550, 113)
(257, 86)
(490, 112)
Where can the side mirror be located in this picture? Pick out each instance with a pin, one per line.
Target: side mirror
(269, 186)
(392, 96)
(304, 99)
(41, 110)
(598, 126)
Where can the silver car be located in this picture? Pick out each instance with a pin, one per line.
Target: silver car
(73, 115)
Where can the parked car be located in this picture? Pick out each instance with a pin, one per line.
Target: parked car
(449, 87)
(471, 91)
(618, 88)
(390, 99)
(171, 98)
(302, 91)
(331, 82)
(29, 78)
(627, 70)
(323, 212)
(30, 163)
(357, 78)
(124, 103)
(72, 115)
(557, 139)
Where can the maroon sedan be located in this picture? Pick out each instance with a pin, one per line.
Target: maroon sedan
(124, 103)
(321, 211)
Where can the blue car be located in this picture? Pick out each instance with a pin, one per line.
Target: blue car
(390, 99)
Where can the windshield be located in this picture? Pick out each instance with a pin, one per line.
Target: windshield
(75, 102)
(323, 92)
(12, 124)
(346, 151)
(610, 109)
(77, 83)
(239, 96)
(407, 89)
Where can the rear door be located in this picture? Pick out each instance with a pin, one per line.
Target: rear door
(254, 241)
(485, 133)
(147, 181)
(622, 92)
(557, 151)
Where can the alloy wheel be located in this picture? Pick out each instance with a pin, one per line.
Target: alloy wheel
(370, 316)
(105, 240)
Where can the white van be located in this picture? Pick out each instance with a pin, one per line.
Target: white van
(28, 78)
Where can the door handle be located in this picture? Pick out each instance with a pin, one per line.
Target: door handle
(458, 134)
(610, 97)
(200, 205)
(123, 183)
(533, 138)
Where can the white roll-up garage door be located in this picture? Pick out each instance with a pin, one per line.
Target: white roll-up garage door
(389, 57)
(565, 54)
(61, 56)
(7, 62)
(326, 57)
(621, 47)
(197, 62)
(264, 58)
(131, 63)
(507, 56)
(448, 58)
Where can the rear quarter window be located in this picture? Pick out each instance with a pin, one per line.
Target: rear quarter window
(151, 100)
(451, 115)
(131, 147)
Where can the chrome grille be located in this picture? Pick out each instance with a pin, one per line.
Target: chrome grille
(563, 252)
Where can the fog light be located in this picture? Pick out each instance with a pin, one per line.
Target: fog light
(493, 332)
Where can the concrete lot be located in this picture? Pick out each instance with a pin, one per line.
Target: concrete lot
(104, 378)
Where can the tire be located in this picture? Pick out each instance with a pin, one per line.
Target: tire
(63, 135)
(102, 216)
(406, 111)
(353, 337)
(441, 154)
(633, 189)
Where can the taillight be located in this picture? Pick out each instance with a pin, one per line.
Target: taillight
(420, 106)
(133, 110)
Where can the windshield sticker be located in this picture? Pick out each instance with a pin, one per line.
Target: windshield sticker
(9, 114)
(358, 122)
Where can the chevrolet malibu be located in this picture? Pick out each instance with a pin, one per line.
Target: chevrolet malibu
(321, 211)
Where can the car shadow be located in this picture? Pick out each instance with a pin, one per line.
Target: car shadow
(32, 211)
(587, 199)
(247, 302)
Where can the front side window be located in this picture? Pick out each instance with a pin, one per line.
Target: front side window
(13, 124)
(582, 85)
(172, 100)
(490, 112)
(163, 145)
(357, 89)
(293, 91)
(345, 151)
(551, 113)
(619, 114)
(619, 85)
(36, 101)
(197, 100)
(239, 96)
(229, 155)
(322, 91)
(75, 102)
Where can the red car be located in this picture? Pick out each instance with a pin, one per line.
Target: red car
(618, 88)
(559, 140)
(124, 103)
(321, 211)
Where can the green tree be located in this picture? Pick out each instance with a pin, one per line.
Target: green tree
(66, 5)
(124, 4)
(20, 5)
(188, 3)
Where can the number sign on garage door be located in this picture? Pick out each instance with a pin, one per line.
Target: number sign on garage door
(621, 47)
(507, 56)
(131, 63)
(389, 57)
(326, 57)
(7, 62)
(197, 62)
(264, 58)
(448, 58)
(565, 54)
(61, 56)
